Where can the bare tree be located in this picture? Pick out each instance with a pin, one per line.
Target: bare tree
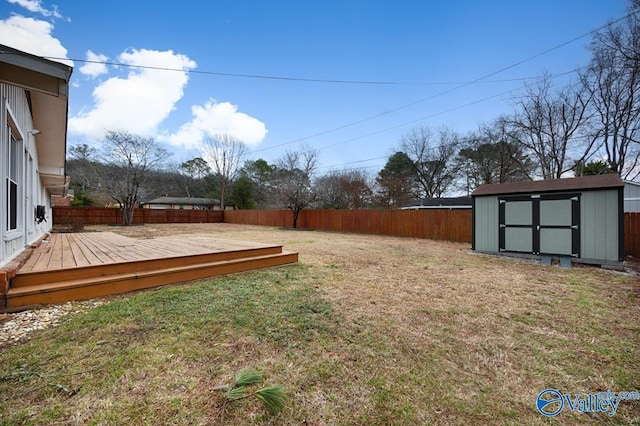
(83, 167)
(491, 156)
(548, 126)
(347, 189)
(433, 159)
(224, 153)
(294, 180)
(128, 159)
(613, 80)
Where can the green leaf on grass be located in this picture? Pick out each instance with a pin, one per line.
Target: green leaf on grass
(248, 377)
(273, 397)
(237, 393)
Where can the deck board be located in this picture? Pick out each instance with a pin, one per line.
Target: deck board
(79, 256)
(107, 246)
(46, 250)
(68, 258)
(88, 252)
(71, 250)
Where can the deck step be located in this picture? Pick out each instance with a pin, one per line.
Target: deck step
(24, 279)
(118, 278)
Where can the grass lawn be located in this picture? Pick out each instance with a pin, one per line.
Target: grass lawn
(364, 330)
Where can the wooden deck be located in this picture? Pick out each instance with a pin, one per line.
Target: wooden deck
(75, 266)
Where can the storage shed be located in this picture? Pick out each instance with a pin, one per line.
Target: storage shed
(580, 219)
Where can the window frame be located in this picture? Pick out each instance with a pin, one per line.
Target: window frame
(13, 179)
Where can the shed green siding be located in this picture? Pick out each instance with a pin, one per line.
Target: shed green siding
(599, 226)
(579, 217)
(486, 224)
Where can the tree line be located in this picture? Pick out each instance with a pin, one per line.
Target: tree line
(588, 126)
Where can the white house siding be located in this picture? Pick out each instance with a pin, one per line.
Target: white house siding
(631, 197)
(15, 119)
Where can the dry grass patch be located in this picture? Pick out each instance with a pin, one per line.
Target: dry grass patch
(366, 330)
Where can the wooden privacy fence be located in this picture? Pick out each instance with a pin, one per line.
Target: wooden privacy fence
(632, 234)
(281, 218)
(79, 216)
(436, 224)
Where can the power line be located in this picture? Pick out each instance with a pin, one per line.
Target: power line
(276, 77)
(459, 86)
(354, 162)
(227, 74)
(412, 121)
(354, 123)
(460, 142)
(418, 119)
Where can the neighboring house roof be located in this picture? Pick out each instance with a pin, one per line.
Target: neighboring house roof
(60, 201)
(47, 85)
(195, 201)
(611, 180)
(436, 203)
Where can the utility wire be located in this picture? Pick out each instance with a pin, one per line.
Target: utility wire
(459, 86)
(351, 124)
(482, 78)
(461, 141)
(355, 162)
(275, 77)
(414, 121)
(418, 119)
(227, 74)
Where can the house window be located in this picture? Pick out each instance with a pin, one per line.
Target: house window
(29, 191)
(14, 156)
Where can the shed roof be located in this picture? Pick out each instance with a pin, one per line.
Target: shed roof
(439, 203)
(611, 180)
(184, 200)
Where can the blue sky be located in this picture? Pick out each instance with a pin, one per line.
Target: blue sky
(427, 49)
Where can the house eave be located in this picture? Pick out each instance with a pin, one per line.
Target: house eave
(55, 184)
(34, 73)
(47, 86)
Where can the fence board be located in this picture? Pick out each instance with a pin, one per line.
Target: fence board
(280, 218)
(632, 234)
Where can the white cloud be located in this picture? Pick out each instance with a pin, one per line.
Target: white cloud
(32, 36)
(139, 102)
(36, 7)
(218, 118)
(95, 66)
